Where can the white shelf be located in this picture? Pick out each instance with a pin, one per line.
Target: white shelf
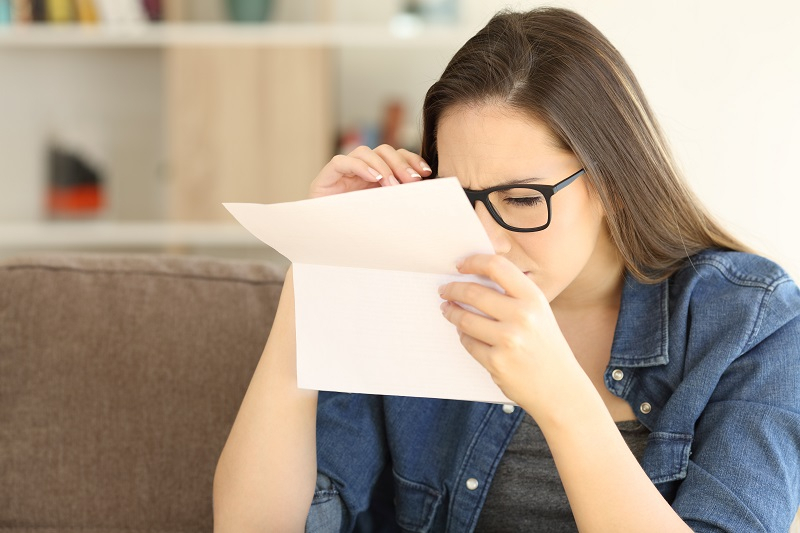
(222, 34)
(100, 234)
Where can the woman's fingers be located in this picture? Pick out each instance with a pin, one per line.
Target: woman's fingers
(352, 166)
(398, 166)
(404, 168)
(520, 339)
(485, 299)
(343, 174)
(416, 163)
(481, 351)
(481, 328)
(504, 273)
(365, 168)
(376, 162)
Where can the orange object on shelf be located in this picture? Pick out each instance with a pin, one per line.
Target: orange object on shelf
(75, 200)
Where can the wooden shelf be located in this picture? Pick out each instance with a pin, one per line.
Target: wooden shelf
(102, 234)
(228, 34)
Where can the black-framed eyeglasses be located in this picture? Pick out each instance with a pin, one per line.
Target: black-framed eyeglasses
(524, 207)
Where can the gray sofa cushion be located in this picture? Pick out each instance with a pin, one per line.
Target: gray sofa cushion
(120, 377)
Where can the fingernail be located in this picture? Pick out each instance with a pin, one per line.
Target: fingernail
(443, 306)
(460, 264)
(393, 180)
(425, 166)
(441, 289)
(375, 173)
(413, 174)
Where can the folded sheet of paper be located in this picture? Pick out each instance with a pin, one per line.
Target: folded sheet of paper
(367, 266)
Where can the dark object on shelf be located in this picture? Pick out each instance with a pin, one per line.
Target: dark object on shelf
(153, 10)
(38, 11)
(74, 188)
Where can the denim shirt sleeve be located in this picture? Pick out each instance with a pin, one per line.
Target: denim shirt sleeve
(744, 471)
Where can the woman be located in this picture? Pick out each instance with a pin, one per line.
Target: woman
(656, 363)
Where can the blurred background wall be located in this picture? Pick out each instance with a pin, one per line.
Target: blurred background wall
(181, 114)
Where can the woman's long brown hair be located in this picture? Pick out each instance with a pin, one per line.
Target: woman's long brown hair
(555, 67)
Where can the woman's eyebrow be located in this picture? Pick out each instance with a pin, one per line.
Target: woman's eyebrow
(520, 181)
(510, 181)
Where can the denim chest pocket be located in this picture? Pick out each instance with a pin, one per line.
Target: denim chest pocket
(415, 505)
(666, 457)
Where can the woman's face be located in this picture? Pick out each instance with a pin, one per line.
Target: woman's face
(491, 145)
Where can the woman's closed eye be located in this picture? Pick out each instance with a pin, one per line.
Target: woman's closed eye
(524, 201)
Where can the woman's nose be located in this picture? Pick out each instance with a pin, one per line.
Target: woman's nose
(497, 234)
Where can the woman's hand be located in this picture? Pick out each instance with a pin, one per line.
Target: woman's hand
(364, 168)
(519, 341)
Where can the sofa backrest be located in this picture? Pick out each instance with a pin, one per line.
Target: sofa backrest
(120, 378)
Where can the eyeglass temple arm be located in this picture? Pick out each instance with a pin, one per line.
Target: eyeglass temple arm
(563, 183)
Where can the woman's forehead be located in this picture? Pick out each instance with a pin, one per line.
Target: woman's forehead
(492, 127)
(491, 144)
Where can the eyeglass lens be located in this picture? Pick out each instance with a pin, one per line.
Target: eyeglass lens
(520, 207)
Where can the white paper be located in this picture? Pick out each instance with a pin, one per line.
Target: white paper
(366, 268)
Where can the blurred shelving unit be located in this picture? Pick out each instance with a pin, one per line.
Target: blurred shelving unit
(246, 113)
(100, 234)
(226, 34)
(222, 239)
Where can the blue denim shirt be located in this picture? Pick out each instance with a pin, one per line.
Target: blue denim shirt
(710, 363)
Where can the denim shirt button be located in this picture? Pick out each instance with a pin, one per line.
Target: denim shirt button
(617, 374)
(508, 409)
(472, 483)
(645, 408)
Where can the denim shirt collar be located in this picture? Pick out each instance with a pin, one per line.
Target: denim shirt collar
(642, 332)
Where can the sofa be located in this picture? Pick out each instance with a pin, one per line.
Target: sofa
(120, 378)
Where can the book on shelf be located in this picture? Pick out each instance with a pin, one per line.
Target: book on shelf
(21, 11)
(152, 9)
(86, 11)
(5, 12)
(132, 12)
(59, 11)
(38, 11)
(121, 12)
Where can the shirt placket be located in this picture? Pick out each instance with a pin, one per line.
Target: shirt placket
(480, 464)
